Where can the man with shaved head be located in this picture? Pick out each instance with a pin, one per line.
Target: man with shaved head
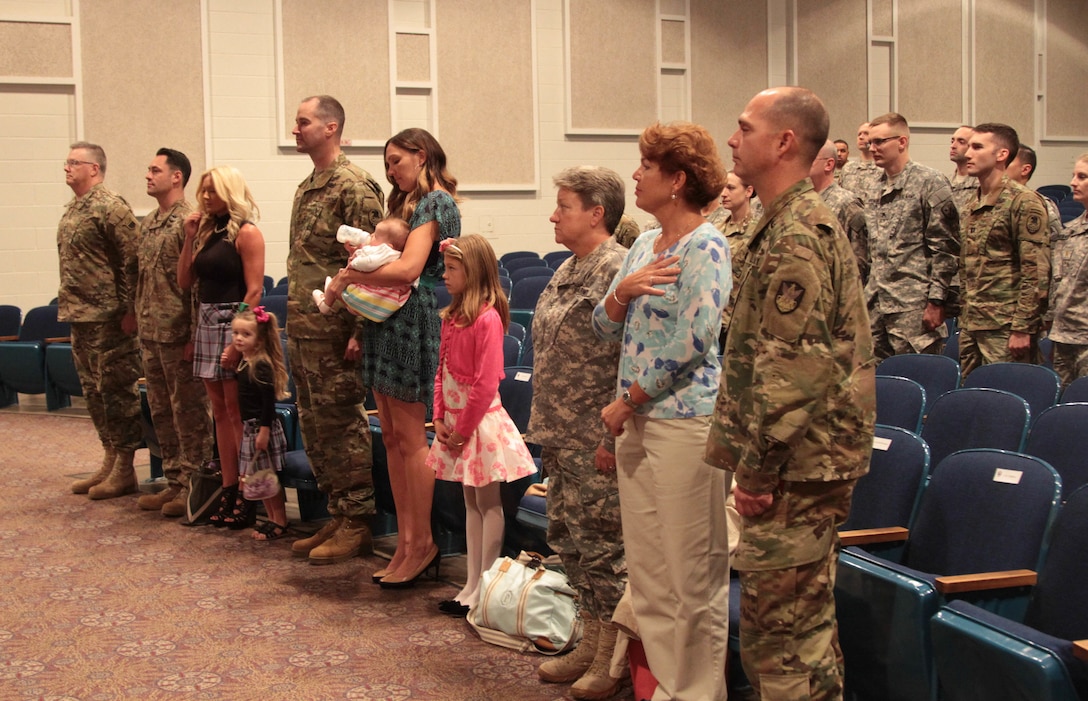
(847, 206)
(858, 176)
(964, 185)
(796, 410)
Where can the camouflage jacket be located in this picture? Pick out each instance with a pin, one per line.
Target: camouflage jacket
(1071, 280)
(849, 210)
(964, 192)
(163, 310)
(96, 245)
(914, 240)
(574, 371)
(798, 394)
(736, 235)
(1057, 238)
(1005, 261)
(341, 194)
(859, 177)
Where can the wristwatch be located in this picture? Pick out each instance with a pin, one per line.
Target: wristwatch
(628, 400)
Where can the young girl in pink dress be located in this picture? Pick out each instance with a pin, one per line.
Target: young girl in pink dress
(476, 442)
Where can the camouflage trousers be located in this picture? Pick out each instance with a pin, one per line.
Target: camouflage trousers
(335, 430)
(1070, 361)
(108, 364)
(991, 346)
(180, 411)
(787, 559)
(584, 528)
(902, 332)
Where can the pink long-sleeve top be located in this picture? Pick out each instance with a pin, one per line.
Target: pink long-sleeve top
(473, 356)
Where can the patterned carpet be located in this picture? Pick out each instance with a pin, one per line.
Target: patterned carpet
(103, 602)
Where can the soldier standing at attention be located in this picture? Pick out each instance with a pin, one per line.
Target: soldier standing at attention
(96, 244)
(845, 205)
(325, 350)
(842, 155)
(858, 176)
(964, 185)
(164, 315)
(914, 246)
(1005, 258)
(1070, 300)
(796, 410)
(575, 375)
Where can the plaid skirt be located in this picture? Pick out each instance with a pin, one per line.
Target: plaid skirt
(250, 461)
(212, 337)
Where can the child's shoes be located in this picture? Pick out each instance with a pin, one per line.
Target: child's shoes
(319, 295)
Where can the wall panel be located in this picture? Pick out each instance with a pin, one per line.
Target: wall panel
(1066, 68)
(1005, 65)
(835, 70)
(931, 61)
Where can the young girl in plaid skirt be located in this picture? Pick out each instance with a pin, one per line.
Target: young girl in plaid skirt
(262, 379)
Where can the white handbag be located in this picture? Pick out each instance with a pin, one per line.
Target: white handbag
(526, 607)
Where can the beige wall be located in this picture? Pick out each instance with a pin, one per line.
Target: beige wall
(213, 89)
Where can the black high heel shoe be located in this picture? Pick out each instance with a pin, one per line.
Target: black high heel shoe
(227, 499)
(244, 514)
(392, 581)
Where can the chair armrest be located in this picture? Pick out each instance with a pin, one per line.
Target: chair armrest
(981, 581)
(58, 339)
(371, 412)
(1080, 650)
(9, 338)
(866, 536)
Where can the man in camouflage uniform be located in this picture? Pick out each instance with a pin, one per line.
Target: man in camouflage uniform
(96, 245)
(1070, 300)
(914, 246)
(179, 404)
(845, 205)
(964, 185)
(842, 156)
(325, 350)
(796, 411)
(574, 376)
(1005, 258)
(626, 231)
(860, 175)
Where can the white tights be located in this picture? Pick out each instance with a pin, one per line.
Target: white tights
(484, 529)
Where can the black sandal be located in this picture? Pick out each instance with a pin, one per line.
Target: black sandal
(243, 516)
(227, 500)
(270, 531)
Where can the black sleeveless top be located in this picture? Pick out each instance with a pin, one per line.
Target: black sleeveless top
(218, 268)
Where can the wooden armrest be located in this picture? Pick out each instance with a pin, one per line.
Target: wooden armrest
(429, 426)
(1080, 650)
(371, 412)
(982, 581)
(58, 339)
(9, 338)
(865, 536)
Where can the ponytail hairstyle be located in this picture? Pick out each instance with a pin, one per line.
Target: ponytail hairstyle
(482, 288)
(270, 350)
(432, 176)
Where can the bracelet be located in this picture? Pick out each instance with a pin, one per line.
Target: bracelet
(622, 304)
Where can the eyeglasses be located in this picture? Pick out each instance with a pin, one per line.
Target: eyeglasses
(880, 142)
(72, 163)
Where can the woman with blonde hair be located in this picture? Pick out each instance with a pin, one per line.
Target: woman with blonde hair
(223, 255)
(400, 354)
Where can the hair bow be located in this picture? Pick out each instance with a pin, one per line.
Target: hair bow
(260, 314)
(449, 243)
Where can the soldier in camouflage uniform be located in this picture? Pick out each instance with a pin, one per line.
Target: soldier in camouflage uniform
(574, 377)
(96, 245)
(626, 231)
(795, 414)
(1070, 298)
(914, 246)
(845, 205)
(1020, 170)
(325, 350)
(859, 176)
(964, 185)
(179, 405)
(1005, 258)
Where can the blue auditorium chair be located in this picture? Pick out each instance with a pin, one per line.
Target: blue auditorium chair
(900, 401)
(975, 417)
(983, 511)
(517, 255)
(936, 373)
(1039, 386)
(1076, 391)
(556, 258)
(518, 264)
(1042, 656)
(10, 320)
(511, 351)
(22, 362)
(1057, 436)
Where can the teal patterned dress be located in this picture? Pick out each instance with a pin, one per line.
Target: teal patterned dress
(400, 354)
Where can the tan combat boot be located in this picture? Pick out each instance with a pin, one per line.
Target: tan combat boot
(122, 479)
(176, 506)
(155, 502)
(597, 683)
(83, 485)
(302, 547)
(351, 538)
(571, 666)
